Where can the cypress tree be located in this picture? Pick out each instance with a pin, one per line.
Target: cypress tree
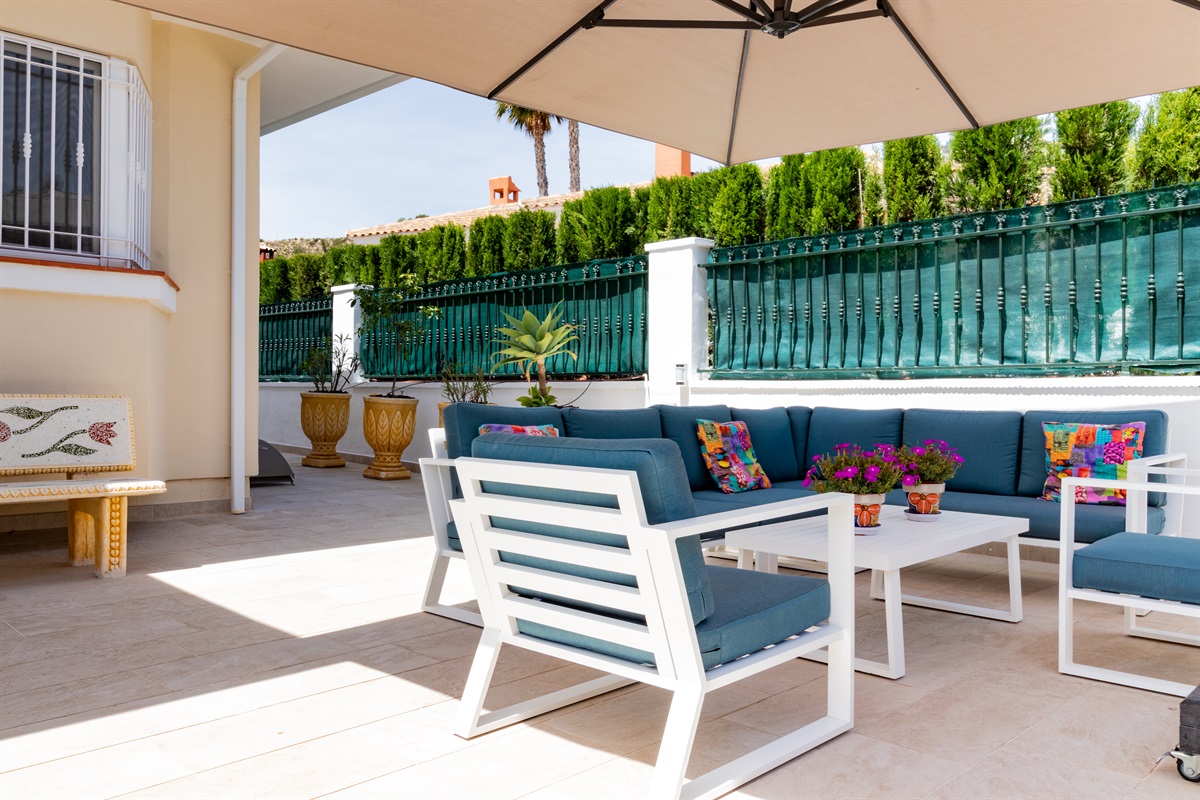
(669, 213)
(485, 246)
(833, 177)
(529, 240)
(739, 208)
(1089, 156)
(910, 178)
(787, 199)
(1168, 148)
(567, 236)
(999, 166)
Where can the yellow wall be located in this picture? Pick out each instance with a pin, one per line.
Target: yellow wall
(176, 367)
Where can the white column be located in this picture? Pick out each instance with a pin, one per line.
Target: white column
(677, 311)
(347, 319)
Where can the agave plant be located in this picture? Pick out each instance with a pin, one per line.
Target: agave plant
(528, 343)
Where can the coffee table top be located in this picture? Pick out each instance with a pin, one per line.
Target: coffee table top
(897, 542)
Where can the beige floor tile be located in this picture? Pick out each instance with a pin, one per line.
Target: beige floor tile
(1120, 728)
(244, 661)
(782, 713)
(89, 664)
(962, 722)
(853, 766)
(1009, 772)
(1164, 783)
(84, 694)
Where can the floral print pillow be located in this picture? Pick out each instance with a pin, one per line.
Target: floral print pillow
(1084, 450)
(729, 456)
(522, 430)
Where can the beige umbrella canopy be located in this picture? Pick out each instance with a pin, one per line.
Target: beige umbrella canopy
(737, 80)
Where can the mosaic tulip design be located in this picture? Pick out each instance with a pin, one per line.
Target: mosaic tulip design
(99, 432)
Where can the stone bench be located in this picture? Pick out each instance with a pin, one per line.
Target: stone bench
(46, 435)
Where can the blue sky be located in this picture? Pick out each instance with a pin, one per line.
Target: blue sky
(420, 148)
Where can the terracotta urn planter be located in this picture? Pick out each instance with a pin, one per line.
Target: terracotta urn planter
(324, 417)
(388, 426)
(866, 510)
(925, 499)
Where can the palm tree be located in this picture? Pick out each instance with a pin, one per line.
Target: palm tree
(573, 150)
(536, 124)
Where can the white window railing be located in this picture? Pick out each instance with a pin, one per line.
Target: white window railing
(75, 128)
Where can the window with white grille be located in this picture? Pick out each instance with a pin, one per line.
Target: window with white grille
(75, 163)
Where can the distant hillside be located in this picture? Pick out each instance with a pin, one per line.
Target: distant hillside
(286, 248)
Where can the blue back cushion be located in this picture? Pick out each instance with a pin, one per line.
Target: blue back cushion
(1033, 442)
(679, 425)
(661, 478)
(800, 417)
(462, 422)
(988, 441)
(830, 427)
(771, 434)
(623, 423)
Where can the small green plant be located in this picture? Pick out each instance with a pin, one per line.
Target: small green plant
(331, 365)
(383, 310)
(854, 470)
(459, 386)
(528, 343)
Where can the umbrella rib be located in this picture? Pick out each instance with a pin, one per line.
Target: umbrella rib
(587, 20)
(821, 14)
(817, 9)
(698, 24)
(743, 11)
(737, 98)
(857, 15)
(1194, 4)
(890, 12)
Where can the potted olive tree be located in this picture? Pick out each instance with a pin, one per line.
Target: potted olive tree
(528, 343)
(325, 411)
(389, 420)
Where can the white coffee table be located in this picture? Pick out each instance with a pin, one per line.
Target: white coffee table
(897, 543)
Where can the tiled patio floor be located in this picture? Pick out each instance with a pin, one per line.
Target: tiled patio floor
(282, 654)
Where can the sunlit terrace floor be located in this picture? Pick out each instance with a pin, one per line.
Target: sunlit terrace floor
(282, 654)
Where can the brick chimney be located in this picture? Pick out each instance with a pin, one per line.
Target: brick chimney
(669, 162)
(502, 191)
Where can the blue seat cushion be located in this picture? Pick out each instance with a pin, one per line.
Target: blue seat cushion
(1092, 523)
(1033, 442)
(771, 434)
(788, 490)
(623, 423)
(988, 441)
(679, 425)
(665, 496)
(462, 421)
(1158, 567)
(753, 610)
(829, 427)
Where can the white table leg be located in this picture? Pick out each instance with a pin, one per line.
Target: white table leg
(893, 610)
(1013, 613)
(766, 562)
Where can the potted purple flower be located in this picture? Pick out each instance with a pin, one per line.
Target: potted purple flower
(866, 474)
(926, 468)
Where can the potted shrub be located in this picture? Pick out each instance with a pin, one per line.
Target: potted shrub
(926, 469)
(866, 474)
(389, 420)
(528, 343)
(325, 411)
(459, 386)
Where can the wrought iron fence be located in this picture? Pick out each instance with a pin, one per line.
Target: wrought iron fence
(606, 300)
(287, 332)
(1086, 287)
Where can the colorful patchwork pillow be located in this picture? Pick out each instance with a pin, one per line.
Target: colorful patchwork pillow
(729, 456)
(1084, 450)
(523, 430)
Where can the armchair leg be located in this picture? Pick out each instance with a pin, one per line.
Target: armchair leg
(676, 748)
(1133, 628)
(432, 600)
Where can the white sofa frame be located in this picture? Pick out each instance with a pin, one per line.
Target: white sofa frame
(660, 597)
(1133, 605)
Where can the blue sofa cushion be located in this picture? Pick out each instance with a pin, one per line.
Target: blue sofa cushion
(830, 427)
(679, 425)
(988, 441)
(1092, 523)
(719, 501)
(799, 418)
(623, 423)
(663, 484)
(1159, 567)
(1033, 442)
(771, 433)
(462, 421)
(753, 610)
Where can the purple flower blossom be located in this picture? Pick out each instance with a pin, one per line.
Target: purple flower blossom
(957, 458)
(843, 446)
(869, 454)
(806, 482)
(889, 459)
(910, 480)
(918, 451)
(930, 441)
(872, 473)
(848, 472)
(816, 458)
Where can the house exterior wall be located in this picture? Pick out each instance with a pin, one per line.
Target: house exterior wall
(59, 335)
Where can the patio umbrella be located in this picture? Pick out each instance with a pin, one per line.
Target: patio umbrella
(737, 80)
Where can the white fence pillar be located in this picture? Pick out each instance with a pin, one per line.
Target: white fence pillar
(677, 309)
(347, 319)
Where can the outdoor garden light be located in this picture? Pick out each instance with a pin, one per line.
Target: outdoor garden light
(680, 374)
